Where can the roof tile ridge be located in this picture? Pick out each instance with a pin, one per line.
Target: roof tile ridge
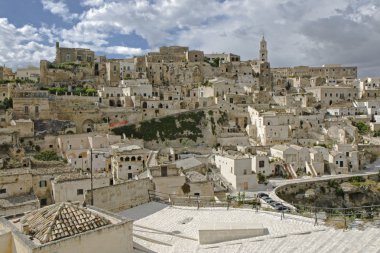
(52, 224)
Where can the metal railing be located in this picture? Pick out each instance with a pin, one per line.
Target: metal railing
(344, 218)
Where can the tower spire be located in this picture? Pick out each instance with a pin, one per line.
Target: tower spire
(263, 52)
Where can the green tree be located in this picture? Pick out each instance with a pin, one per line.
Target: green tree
(362, 127)
(185, 188)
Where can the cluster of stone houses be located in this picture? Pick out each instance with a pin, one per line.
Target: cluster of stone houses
(261, 122)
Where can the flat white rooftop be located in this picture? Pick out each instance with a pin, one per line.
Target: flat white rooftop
(175, 229)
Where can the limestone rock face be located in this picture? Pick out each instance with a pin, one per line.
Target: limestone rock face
(310, 194)
(349, 188)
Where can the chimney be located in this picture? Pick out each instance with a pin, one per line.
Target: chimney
(25, 228)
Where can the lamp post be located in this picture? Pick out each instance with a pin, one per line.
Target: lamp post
(91, 172)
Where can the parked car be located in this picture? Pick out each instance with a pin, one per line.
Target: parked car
(262, 194)
(282, 208)
(266, 199)
(274, 204)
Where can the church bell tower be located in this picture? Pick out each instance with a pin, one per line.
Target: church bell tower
(263, 50)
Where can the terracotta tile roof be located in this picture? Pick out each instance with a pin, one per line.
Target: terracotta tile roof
(61, 220)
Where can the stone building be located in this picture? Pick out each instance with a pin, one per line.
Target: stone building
(6, 73)
(329, 95)
(223, 57)
(79, 148)
(24, 127)
(260, 164)
(194, 56)
(4, 92)
(29, 73)
(112, 73)
(82, 55)
(128, 161)
(32, 104)
(16, 192)
(237, 170)
(271, 127)
(65, 227)
(328, 71)
(74, 187)
(127, 69)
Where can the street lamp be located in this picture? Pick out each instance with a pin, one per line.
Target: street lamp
(106, 155)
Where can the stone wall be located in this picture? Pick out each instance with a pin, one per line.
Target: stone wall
(123, 196)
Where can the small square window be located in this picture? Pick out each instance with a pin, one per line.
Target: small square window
(80, 192)
(3, 191)
(43, 183)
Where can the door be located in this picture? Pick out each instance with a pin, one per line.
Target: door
(245, 186)
(164, 171)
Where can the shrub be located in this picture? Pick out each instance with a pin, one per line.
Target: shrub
(47, 155)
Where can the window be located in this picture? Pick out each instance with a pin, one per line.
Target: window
(43, 183)
(261, 164)
(245, 172)
(347, 153)
(3, 191)
(80, 192)
(26, 109)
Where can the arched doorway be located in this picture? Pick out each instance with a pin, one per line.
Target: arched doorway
(88, 126)
(279, 170)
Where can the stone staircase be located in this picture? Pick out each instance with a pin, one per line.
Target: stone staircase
(289, 169)
(310, 167)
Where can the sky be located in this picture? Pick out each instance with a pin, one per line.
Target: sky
(298, 32)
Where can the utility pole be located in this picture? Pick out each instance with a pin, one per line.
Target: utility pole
(92, 179)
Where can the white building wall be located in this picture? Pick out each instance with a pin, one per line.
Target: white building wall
(68, 190)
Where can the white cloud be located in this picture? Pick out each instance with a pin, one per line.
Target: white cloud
(22, 46)
(59, 8)
(92, 3)
(122, 50)
(298, 32)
